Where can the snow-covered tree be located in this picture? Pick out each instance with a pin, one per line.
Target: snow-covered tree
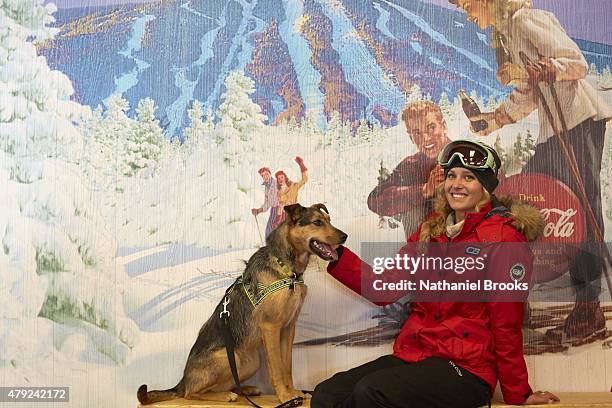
(238, 111)
(56, 262)
(478, 99)
(377, 133)
(144, 143)
(309, 126)
(606, 73)
(593, 69)
(209, 120)
(491, 104)
(112, 134)
(499, 148)
(292, 124)
(334, 128)
(456, 107)
(605, 78)
(198, 128)
(445, 105)
(414, 94)
(363, 133)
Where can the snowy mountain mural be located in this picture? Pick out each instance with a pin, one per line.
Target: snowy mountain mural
(130, 139)
(359, 58)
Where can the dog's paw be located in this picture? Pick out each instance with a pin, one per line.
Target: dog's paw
(290, 394)
(251, 390)
(231, 396)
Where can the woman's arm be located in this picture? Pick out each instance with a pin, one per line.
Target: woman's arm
(506, 313)
(506, 319)
(303, 180)
(545, 33)
(541, 30)
(352, 272)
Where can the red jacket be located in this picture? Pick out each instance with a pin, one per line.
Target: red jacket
(484, 338)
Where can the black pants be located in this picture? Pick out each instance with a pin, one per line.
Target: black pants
(393, 383)
(587, 142)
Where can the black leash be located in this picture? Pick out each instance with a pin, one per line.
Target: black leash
(231, 357)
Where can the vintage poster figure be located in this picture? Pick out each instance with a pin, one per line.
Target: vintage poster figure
(409, 190)
(522, 33)
(271, 198)
(288, 190)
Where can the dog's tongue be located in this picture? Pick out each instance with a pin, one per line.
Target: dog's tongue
(332, 251)
(326, 250)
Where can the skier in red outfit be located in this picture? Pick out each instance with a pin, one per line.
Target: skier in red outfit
(450, 353)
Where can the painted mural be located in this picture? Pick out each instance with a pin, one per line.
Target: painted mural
(148, 148)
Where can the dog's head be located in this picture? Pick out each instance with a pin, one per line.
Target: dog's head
(310, 230)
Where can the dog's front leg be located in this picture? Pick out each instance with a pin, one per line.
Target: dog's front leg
(287, 336)
(271, 334)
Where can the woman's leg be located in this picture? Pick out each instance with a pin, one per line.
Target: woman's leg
(335, 390)
(431, 383)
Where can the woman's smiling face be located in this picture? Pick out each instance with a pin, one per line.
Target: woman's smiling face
(462, 189)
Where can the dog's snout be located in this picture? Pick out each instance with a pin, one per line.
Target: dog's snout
(343, 237)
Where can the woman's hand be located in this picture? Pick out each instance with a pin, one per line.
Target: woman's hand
(436, 176)
(300, 163)
(541, 71)
(541, 397)
(510, 74)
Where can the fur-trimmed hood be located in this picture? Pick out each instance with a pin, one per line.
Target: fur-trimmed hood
(525, 217)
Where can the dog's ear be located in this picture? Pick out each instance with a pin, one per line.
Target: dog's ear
(294, 212)
(320, 207)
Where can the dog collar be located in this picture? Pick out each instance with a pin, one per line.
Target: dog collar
(287, 270)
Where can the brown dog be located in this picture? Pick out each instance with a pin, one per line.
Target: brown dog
(255, 321)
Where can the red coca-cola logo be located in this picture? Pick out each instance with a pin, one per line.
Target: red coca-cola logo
(564, 229)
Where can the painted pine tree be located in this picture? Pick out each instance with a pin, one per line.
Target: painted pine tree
(145, 142)
(445, 105)
(195, 130)
(238, 111)
(363, 133)
(56, 264)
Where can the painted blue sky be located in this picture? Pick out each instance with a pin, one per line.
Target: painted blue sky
(585, 19)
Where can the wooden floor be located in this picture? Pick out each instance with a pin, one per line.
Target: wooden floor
(570, 399)
(575, 400)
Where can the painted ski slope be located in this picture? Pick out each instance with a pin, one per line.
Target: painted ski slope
(307, 76)
(428, 29)
(130, 79)
(177, 109)
(360, 67)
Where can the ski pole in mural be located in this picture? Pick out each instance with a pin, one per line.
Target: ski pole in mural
(549, 71)
(271, 199)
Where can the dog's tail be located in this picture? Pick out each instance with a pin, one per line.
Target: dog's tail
(149, 397)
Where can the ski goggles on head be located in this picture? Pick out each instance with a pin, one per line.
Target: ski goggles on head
(472, 155)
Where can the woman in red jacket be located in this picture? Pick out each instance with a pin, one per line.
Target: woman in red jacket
(450, 353)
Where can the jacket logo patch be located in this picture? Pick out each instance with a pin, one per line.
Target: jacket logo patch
(517, 272)
(456, 368)
(472, 250)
